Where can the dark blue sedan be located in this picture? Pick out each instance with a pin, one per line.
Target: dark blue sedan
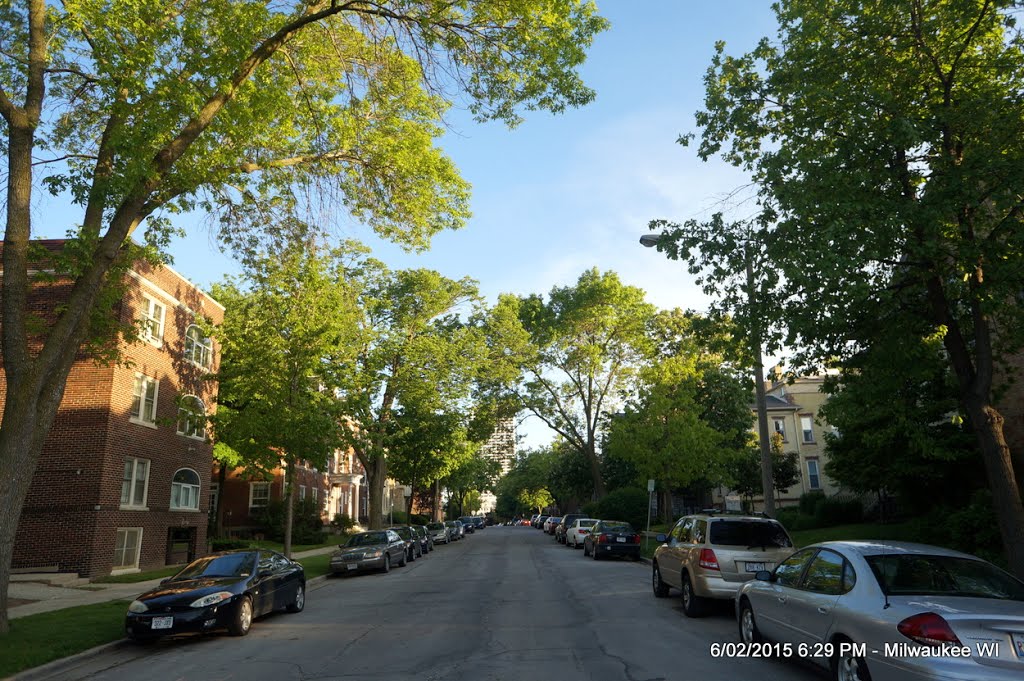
(220, 591)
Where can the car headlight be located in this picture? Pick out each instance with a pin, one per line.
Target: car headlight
(138, 606)
(374, 554)
(211, 599)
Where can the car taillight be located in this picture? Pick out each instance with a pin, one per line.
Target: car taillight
(708, 559)
(603, 539)
(929, 629)
(583, 531)
(636, 538)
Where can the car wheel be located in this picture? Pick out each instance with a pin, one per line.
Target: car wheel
(749, 633)
(660, 587)
(693, 605)
(847, 667)
(242, 621)
(300, 599)
(593, 553)
(403, 561)
(586, 551)
(575, 545)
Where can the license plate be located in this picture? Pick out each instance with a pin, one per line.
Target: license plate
(755, 567)
(351, 567)
(162, 622)
(1018, 644)
(621, 540)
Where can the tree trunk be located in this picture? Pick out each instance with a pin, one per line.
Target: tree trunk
(1006, 496)
(376, 476)
(665, 505)
(408, 506)
(289, 507)
(435, 507)
(218, 513)
(595, 471)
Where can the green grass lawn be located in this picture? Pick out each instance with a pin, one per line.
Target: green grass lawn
(139, 576)
(895, 531)
(48, 636)
(316, 565)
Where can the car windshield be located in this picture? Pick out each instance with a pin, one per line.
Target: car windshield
(435, 526)
(616, 527)
(367, 539)
(225, 565)
(403, 532)
(900, 574)
(749, 533)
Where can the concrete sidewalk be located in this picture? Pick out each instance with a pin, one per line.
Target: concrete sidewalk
(46, 597)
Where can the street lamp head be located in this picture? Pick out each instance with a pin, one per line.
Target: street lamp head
(650, 240)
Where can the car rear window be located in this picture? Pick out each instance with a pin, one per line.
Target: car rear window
(917, 574)
(749, 534)
(435, 526)
(616, 527)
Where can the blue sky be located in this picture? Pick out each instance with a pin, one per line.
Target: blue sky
(560, 194)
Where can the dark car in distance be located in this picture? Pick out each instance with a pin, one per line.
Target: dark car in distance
(413, 548)
(612, 538)
(373, 550)
(226, 590)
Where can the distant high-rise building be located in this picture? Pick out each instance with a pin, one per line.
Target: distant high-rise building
(500, 447)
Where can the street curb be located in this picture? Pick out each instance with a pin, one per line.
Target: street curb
(51, 668)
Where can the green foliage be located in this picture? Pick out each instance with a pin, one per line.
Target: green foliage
(342, 523)
(809, 502)
(307, 526)
(817, 510)
(569, 478)
(228, 544)
(628, 504)
(587, 343)
(970, 528)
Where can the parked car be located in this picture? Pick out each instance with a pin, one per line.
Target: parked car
(539, 522)
(454, 529)
(887, 610)
(426, 540)
(709, 556)
(565, 524)
(467, 523)
(440, 533)
(226, 590)
(374, 550)
(579, 530)
(413, 548)
(533, 519)
(480, 522)
(612, 538)
(551, 523)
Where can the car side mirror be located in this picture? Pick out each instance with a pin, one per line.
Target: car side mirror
(164, 580)
(661, 539)
(764, 576)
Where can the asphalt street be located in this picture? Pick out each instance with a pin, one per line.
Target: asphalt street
(507, 603)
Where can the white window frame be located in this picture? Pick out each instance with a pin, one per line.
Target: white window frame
(133, 481)
(807, 433)
(152, 326)
(252, 494)
(192, 419)
(141, 395)
(302, 492)
(813, 473)
(125, 531)
(776, 424)
(199, 345)
(189, 491)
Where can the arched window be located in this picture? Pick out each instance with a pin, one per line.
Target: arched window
(185, 490)
(192, 417)
(198, 348)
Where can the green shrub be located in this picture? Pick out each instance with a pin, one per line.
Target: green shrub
(971, 528)
(342, 523)
(628, 504)
(228, 544)
(307, 526)
(809, 502)
(838, 510)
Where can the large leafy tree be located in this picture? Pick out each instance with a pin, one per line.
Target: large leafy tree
(884, 140)
(137, 110)
(415, 351)
(588, 341)
(289, 322)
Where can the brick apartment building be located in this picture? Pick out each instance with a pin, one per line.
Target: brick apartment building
(123, 481)
(242, 495)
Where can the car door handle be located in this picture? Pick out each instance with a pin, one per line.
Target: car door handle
(782, 599)
(823, 609)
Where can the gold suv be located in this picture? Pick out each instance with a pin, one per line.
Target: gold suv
(710, 555)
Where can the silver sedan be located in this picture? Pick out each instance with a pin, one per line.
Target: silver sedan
(887, 611)
(375, 550)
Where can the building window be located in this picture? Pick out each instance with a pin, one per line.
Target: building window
(185, 490)
(813, 479)
(126, 548)
(807, 428)
(313, 491)
(302, 492)
(198, 348)
(259, 494)
(134, 483)
(144, 397)
(192, 417)
(152, 321)
(780, 427)
(214, 494)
